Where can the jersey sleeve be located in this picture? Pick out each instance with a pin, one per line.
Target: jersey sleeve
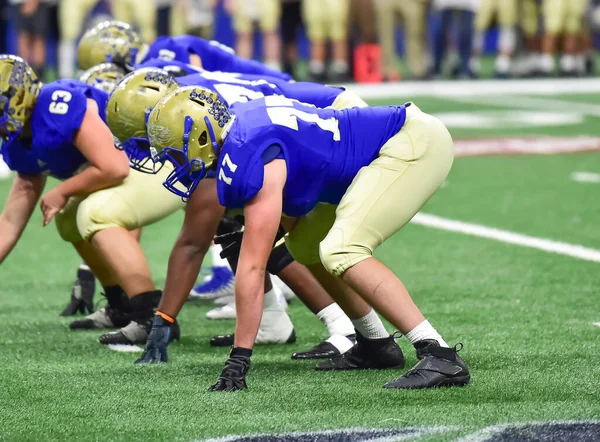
(166, 48)
(20, 159)
(58, 113)
(218, 57)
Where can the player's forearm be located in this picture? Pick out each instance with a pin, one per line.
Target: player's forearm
(9, 236)
(91, 180)
(184, 265)
(249, 295)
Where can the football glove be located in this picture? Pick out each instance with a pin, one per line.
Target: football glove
(158, 340)
(233, 376)
(232, 242)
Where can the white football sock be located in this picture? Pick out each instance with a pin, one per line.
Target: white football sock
(215, 253)
(84, 266)
(66, 58)
(567, 63)
(342, 343)
(271, 301)
(273, 64)
(425, 331)
(503, 63)
(370, 326)
(336, 321)
(339, 66)
(316, 66)
(546, 63)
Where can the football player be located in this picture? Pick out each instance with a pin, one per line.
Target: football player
(105, 77)
(337, 187)
(59, 130)
(327, 21)
(126, 116)
(116, 42)
(245, 13)
(563, 18)
(506, 12)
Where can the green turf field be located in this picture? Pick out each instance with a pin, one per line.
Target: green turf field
(525, 316)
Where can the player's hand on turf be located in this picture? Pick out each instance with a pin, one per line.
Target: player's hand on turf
(52, 203)
(233, 376)
(158, 341)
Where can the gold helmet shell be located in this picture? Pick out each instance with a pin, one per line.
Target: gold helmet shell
(104, 76)
(187, 127)
(109, 41)
(19, 89)
(133, 99)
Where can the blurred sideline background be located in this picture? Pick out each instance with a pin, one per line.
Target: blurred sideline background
(334, 40)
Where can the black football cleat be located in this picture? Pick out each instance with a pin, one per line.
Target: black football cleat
(367, 354)
(82, 294)
(437, 367)
(323, 350)
(105, 318)
(115, 315)
(136, 333)
(227, 340)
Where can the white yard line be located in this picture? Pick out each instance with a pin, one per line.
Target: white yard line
(585, 177)
(537, 103)
(407, 90)
(505, 236)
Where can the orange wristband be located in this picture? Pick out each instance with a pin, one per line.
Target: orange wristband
(165, 317)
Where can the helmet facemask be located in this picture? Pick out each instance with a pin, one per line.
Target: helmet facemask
(191, 145)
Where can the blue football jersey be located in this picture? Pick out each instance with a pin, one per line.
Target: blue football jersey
(323, 149)
(214, 55)
(240, 88)
(57, 115)
(174, 67)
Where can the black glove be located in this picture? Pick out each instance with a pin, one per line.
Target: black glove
(233, 376)
(232, 242)
(158, 340)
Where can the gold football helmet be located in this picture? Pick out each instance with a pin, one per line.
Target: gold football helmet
(129, 106)
(104, 76)
(19, 89)
(110, 41)
(187, 127)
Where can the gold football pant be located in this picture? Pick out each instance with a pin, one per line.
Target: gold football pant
(140, 12)
(268, 13)
(382, 198)
(563, 16)
(71, 16)
(137, 202)
(506, 12)
(530, 17)
(412, 14)
(326, 19)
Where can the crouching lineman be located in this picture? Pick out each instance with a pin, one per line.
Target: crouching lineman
(127, 108)
(342, 192)
(236, 88)
(117, 42)
(59, 130)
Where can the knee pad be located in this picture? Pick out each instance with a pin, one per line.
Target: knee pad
(279, 259)
(338, 255)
